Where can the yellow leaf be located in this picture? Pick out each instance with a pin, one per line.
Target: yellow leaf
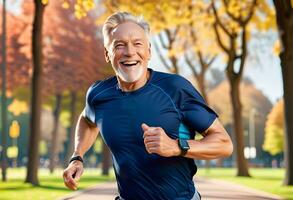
(277, 48)
(14, 129)
(45, 2)
(65, 5)
(18, 107)
(78, 14)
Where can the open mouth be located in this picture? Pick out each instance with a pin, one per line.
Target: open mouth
(129, 63)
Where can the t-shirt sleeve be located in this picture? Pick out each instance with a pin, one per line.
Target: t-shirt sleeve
(196, 114)
(89, 111)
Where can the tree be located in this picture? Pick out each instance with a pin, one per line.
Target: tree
(17, 60)
(201, 49)
(3, 99)
(231, 23)
(18, 64)
(34, 138)
(284, 15)
(274, 130)
(253, 102)
(75, 70)
(53, 145)
(67, 71)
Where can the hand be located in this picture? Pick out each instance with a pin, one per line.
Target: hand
(157, 141)
(72, 174)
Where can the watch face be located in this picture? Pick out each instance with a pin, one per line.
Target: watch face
(184, 144)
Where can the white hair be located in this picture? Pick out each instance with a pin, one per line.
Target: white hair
(120, 17)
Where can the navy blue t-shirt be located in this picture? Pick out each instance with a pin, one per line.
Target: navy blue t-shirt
(166, 100)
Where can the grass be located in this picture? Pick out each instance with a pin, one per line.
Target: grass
(264, 179)
(51, 185)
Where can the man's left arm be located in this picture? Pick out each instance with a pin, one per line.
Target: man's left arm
(216, 143)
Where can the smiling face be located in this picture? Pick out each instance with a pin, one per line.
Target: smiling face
(129, 52)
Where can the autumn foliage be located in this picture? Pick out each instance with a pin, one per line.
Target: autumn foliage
(73, 52)
(274, 130)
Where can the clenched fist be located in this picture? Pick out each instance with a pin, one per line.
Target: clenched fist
(157, 141)
(72, 174)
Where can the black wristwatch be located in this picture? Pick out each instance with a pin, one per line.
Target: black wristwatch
(184, 146)
(79, 158)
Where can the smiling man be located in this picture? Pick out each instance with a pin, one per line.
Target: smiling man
(148, 119)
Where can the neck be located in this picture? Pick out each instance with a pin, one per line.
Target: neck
(128, 87)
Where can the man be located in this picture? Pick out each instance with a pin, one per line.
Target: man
(148, 119)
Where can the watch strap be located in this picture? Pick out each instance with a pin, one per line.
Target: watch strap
(184, 147)
(79, 158)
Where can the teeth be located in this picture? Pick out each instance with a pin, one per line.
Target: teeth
(129, 62)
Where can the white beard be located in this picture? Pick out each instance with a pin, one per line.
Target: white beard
(132, 76)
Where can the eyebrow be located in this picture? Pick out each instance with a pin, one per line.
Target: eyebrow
(122, 41)
(117, 41)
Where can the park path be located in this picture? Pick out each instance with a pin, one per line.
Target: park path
(210, 189)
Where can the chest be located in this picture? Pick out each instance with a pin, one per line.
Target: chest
(120, 119)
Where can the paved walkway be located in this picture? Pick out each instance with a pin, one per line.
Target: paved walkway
(210, 190)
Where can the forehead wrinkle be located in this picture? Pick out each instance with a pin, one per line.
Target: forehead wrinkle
(133, 35)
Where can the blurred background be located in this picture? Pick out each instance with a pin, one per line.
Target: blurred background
(238, 54)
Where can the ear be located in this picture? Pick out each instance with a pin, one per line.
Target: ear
(106, 54)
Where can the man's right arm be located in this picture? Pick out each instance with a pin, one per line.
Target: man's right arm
(85, 135)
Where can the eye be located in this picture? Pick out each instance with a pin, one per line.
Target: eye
(119, 45)
(137, 43)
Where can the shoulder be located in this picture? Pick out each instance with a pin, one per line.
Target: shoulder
(170, 81)
(100, 86)
(177, 87)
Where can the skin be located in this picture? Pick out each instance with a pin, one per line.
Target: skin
(129, 43)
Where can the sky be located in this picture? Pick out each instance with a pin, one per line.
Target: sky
(262, 66)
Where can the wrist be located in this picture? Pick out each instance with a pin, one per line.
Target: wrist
(77, 153)
(76, 159)
(183, 146)
(176, 149)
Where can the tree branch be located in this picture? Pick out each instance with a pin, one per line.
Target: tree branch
(163, 60)
(162, 41)
(212, 60)
(237, 19)
(251, 11)
(191, 66)
(219, 39)
(244, 52)
(218, 21)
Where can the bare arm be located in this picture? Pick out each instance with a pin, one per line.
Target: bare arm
(215, 144)
(85, 135)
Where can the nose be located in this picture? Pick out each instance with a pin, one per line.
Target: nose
(129, 50)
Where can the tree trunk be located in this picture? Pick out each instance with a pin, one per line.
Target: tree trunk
(106, 160)
(34, 138)
(202, 87)
(54, 139)
(4, 130)
(242, 169)
(287, 71)
(73, 120)
(284, 12)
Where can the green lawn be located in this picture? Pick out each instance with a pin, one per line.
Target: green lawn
(268, 180)
(51, 186)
